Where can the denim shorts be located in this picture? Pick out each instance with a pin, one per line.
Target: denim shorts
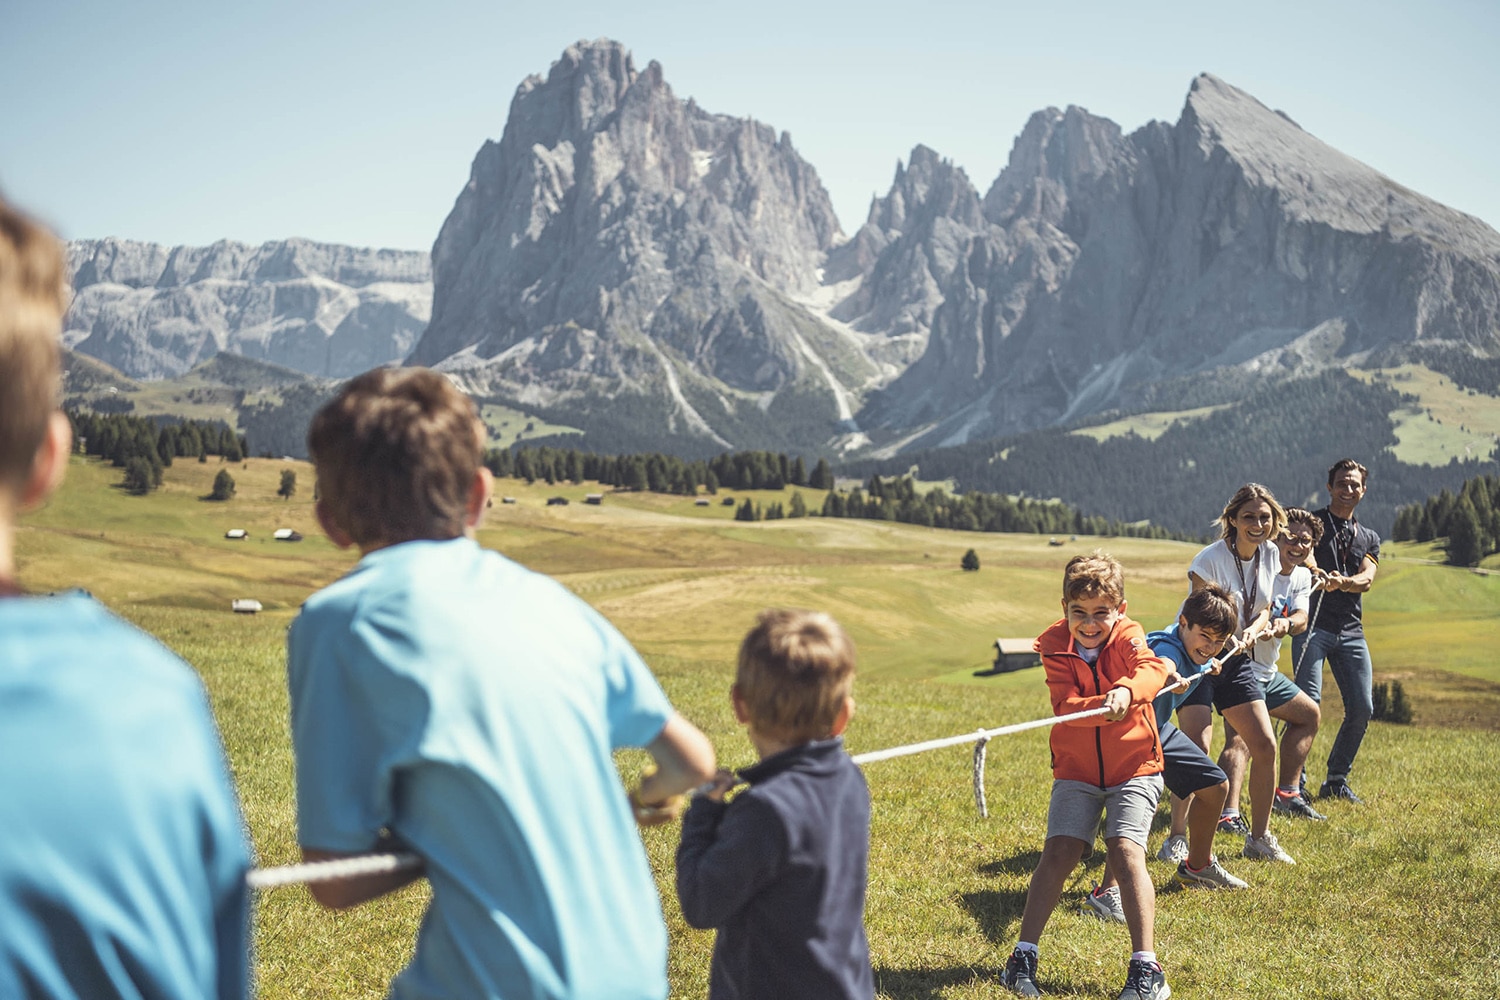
(1128, 809)
(1186, 768)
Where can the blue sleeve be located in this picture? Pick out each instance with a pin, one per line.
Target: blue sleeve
(727, 854)
(637, 707)
(355, 721)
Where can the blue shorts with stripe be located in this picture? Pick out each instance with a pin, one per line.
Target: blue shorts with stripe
(1185, 767)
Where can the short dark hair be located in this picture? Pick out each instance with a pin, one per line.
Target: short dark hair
(1212, 609)
(1097, 574)
(33, 298)
(1349, 465)
(796, 668)
(1306, 518)
(396, 453)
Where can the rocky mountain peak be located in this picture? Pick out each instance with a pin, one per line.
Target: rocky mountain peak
(1058, 155)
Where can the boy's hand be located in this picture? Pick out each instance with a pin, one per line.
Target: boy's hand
(655, 813)
(722, 782)
(1176, 683)
(1118, 703)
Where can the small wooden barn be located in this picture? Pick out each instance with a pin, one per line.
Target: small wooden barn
(1012, 654)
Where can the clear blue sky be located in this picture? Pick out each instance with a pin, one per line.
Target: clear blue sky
(181, 122)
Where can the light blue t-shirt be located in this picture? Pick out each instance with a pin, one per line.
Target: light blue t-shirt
(471, 706)
(1168, 645)
(122, 851)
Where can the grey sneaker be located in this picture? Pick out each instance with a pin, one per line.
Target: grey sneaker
(1105, 905)
(1020, 974)
(1339, 789)
(1210, 876)
(1294, 805)
(1145, 981)
(1174, 849)
(1266, 849)
(1233, 824)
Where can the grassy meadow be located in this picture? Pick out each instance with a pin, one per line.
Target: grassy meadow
(1392, 899)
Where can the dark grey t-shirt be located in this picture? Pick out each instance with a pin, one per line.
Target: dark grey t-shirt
(1342, 549)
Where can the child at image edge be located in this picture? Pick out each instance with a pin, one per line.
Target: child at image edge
(449, 702)
(781, 869)
(122, 851)
(1096, 657)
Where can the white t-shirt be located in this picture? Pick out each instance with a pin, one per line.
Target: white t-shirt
(1292, 593)
(1252, 584)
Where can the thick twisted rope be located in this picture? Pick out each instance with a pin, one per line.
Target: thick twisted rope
(375, 864)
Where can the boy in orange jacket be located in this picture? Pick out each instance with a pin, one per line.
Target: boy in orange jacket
(1096, 657)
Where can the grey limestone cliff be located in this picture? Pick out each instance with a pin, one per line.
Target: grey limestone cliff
(154, 311)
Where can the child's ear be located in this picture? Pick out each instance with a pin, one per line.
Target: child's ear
(1182, 623)
(841, 721)
(479, 496)
(335, 532)
(741, 710)
(1123, 605)
(50, 463)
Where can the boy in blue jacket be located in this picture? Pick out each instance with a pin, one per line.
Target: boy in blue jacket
(780, 871)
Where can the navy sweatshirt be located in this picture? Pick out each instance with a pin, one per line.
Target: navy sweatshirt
(780, 871)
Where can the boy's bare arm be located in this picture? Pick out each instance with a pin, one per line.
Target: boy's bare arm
(344, 893)
(684, 760)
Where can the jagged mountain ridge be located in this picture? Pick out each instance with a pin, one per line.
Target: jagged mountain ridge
(620, 242)
(1110, 266)
(328, 310)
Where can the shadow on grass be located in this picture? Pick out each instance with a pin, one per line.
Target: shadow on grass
(1025, 863)
(929, 984)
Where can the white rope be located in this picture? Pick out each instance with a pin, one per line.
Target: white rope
(953, 741)
(376, 864)
(331, 871)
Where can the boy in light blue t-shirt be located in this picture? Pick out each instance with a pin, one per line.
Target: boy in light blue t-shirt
(449, 701)
(122, 851)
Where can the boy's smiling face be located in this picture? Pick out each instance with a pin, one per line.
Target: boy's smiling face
(1202, 644)
(1090, 619)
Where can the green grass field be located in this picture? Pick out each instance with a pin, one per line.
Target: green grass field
(1393, 899)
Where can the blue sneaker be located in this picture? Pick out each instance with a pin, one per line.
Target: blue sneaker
(1145, 981)
(1020, 974)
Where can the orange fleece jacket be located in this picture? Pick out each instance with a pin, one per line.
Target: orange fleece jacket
(1095, 750)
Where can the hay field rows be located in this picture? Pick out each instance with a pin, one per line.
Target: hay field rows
(1393, 899)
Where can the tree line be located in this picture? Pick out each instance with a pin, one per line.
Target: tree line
(1469, 520)
(659, 473)
(144, 446)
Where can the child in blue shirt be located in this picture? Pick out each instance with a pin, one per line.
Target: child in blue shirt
(781, 870)
(122, 850)
(449, 701)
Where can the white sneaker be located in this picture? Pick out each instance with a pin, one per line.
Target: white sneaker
(1210, 876)
(1266, 849)
(1105, 905)
(1174, 850)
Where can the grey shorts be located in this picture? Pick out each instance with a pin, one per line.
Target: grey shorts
(1128, 809)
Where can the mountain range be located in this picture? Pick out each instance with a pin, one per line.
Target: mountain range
(627, 263)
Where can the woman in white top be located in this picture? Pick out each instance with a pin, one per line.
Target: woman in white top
(1245, 562)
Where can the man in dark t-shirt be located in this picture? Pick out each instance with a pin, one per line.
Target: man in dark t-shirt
(1347, 555)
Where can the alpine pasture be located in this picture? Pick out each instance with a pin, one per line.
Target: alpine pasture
(1392, 899)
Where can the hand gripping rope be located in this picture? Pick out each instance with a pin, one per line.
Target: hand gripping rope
(376, 864)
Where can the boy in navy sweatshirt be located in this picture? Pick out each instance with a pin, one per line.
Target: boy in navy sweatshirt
(780, 871)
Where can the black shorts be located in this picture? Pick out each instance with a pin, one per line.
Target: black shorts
(1201, 693)
(1236, 684)
(1185, 767)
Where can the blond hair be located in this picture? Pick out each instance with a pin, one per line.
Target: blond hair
(796, 669)
(33, 298)
(1245, 495)
(1097, 574)
(396, 452)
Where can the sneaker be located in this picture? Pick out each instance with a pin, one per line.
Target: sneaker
(1145, 981)
(1211, 876)
(1266, 849)
(1105, 905)
(1339, 790)
(1294, 805)
(1020, 974)
(1173, 850)
(1235, 825)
